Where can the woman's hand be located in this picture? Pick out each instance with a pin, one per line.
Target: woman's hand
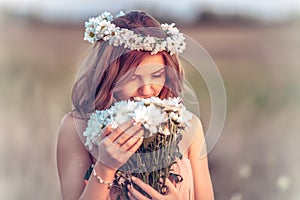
(116, 146)
(136, 195)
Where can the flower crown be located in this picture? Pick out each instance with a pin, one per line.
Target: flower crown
(102, 28)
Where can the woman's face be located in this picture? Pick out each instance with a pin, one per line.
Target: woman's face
(146, 81)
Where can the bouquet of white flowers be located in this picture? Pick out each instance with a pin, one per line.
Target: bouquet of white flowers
(163, 121)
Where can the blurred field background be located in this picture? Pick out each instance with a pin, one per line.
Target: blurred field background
(257, 155)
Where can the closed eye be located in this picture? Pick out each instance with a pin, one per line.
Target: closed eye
(158, 75)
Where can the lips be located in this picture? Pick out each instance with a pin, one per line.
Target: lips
(143, 97)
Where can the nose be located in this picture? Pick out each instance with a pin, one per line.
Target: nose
(146, 90)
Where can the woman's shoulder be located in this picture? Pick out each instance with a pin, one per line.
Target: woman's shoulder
(71, 116)
(72, 155)
(72, 125)
(198, 144)
(190, 133)
(67, 121)
(195, 123)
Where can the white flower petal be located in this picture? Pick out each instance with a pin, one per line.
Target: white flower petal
(101, 28)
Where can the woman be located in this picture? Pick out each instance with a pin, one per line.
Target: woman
(133, 56)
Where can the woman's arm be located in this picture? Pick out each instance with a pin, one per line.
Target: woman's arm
(201, 176)
(73, 160)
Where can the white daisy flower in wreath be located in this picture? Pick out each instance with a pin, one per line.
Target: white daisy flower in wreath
(102, 27)
(107, 15)
(148, 43)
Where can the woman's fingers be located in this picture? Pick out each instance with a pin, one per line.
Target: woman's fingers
(171, 194)
(115, 133)
(107, 130)
(134, 194)
(131, 197)
(120, 144)
(135, 142)
(132, 131)
(151, 191)
(170, 185)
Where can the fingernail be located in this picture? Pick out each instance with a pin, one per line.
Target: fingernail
(128, 186)
(133, 178)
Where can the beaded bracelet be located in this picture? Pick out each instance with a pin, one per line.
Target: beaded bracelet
(99, 179)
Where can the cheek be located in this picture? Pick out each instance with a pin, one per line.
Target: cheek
(125, 91)
(158, 85)
(159, 82)
(157, 89)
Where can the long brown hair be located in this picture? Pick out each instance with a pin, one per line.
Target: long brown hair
(105, 65)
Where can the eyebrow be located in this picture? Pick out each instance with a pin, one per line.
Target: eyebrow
(160, 70)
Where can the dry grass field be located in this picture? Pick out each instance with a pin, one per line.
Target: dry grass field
(256, 156)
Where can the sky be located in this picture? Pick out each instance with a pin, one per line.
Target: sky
(184, 10)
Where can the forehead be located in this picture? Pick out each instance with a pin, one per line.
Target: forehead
(150, 64)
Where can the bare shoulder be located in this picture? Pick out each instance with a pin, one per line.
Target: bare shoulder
(195, 127)
(199, 162)
(196, 123)
(191, 135)
(73, 159)
(198, 141)
(70, 121)
(67, 124)
(71, 126)
(70, 137)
